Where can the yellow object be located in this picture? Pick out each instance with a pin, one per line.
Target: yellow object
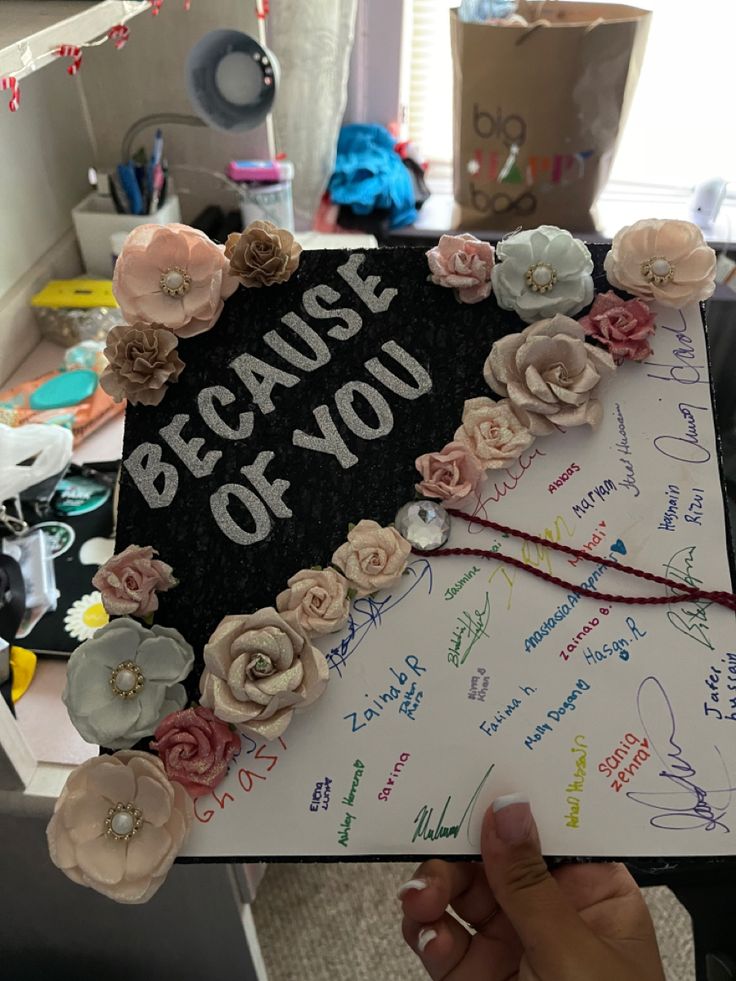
(58, 294)
(23, 663)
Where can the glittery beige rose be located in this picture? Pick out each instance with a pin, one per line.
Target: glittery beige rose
(493, 433)
(142, 362)
(664, 260)
(258, 670)
(373, 557)
(263, 254)
(549, 374)
(317, 600)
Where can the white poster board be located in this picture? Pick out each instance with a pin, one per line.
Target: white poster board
(473, 679)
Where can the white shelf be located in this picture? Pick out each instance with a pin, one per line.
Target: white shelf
(31, 29)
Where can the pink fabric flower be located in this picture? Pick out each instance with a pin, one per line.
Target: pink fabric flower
(622, 326)
(118, 825)
(130, 580)
(463, 263)
(373, 557)
(172, 275)
(195, 749)
(450, 475)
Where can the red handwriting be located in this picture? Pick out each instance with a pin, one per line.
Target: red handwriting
(509, 484)
(390, 781)
(630, 755)
(556, 484)
(598, 535)
(588, 628)
(248, 774)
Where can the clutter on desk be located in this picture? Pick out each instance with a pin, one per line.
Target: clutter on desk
(69, 397)
(265, 191)
(68, 311)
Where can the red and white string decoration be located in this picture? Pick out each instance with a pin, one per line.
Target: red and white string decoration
(118, 34)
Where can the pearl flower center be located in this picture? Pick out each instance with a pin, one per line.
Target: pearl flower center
(657, 270)
(260, 666)
(123, 821)
(127, 679)
(175, 281)
(541, 277)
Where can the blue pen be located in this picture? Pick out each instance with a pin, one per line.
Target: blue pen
(126, 173)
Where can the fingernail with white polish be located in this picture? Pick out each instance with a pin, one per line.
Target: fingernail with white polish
(513, 818)
(417, 884)
(426, 937)
(508, 799)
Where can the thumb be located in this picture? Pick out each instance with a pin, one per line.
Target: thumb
(548, 926)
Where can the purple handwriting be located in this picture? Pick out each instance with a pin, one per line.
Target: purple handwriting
(683, 805)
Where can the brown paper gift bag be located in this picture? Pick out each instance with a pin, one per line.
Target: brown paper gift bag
(538, 111)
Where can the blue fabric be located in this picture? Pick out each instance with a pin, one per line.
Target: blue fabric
(369, 174)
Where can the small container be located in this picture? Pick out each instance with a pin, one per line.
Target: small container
(267, 202)
(72, 310)
(95, 220)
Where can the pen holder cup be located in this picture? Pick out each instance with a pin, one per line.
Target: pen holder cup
(95, 220)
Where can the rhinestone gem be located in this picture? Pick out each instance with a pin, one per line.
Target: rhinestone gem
(175, 281)
(260, 666)
(127, 679)
(541, 277)
(123, 821)
(657, 270)
(424, 524)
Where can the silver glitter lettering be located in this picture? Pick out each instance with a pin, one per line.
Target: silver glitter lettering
(206, 405)
(188, 449)
(344, 398)
(249, 369)
(289, 353)
(410, 364)
(353, 320)
(219, 503)
(329, 442)
(271, 492)
(145, 467)
(365, 288)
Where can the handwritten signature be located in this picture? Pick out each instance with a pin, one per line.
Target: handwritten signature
(691, 806)
(691, 620)
(469, 628)
(368, 612)
(509, 484)
(427, 830)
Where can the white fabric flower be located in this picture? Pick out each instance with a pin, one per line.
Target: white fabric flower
(122, 682)
(542, 271)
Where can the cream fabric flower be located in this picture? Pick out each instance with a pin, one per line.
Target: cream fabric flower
(84, 834)
(129, 581)
(664, 260)
(450, 475)
(263, 254)
(541, 272)
(172, 275)
(493, 433)
(373, 557)
(549, 374)
(258, 670)
(317, 599)
(122, 682)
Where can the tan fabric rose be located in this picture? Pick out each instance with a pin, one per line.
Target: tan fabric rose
(263, 254)
(142, 362)
(317, 600)
(373, 557)
(258, 670)
(549, 374)
(129, 581)
(492, 432)
(664, 260)
(450, 475)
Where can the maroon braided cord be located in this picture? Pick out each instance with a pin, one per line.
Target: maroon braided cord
(686, 592)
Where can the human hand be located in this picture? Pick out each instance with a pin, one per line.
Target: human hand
(577, 923)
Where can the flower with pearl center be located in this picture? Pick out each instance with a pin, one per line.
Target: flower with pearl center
(118, 825)
(664, 260)
(541, 272)
(172, 275)
(124, 680)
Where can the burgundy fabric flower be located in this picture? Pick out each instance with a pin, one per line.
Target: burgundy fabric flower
(622, 326)
(449, 475)
(463, 263)
(195, 748)
(130, 580)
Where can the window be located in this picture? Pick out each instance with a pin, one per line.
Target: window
(679, 130)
